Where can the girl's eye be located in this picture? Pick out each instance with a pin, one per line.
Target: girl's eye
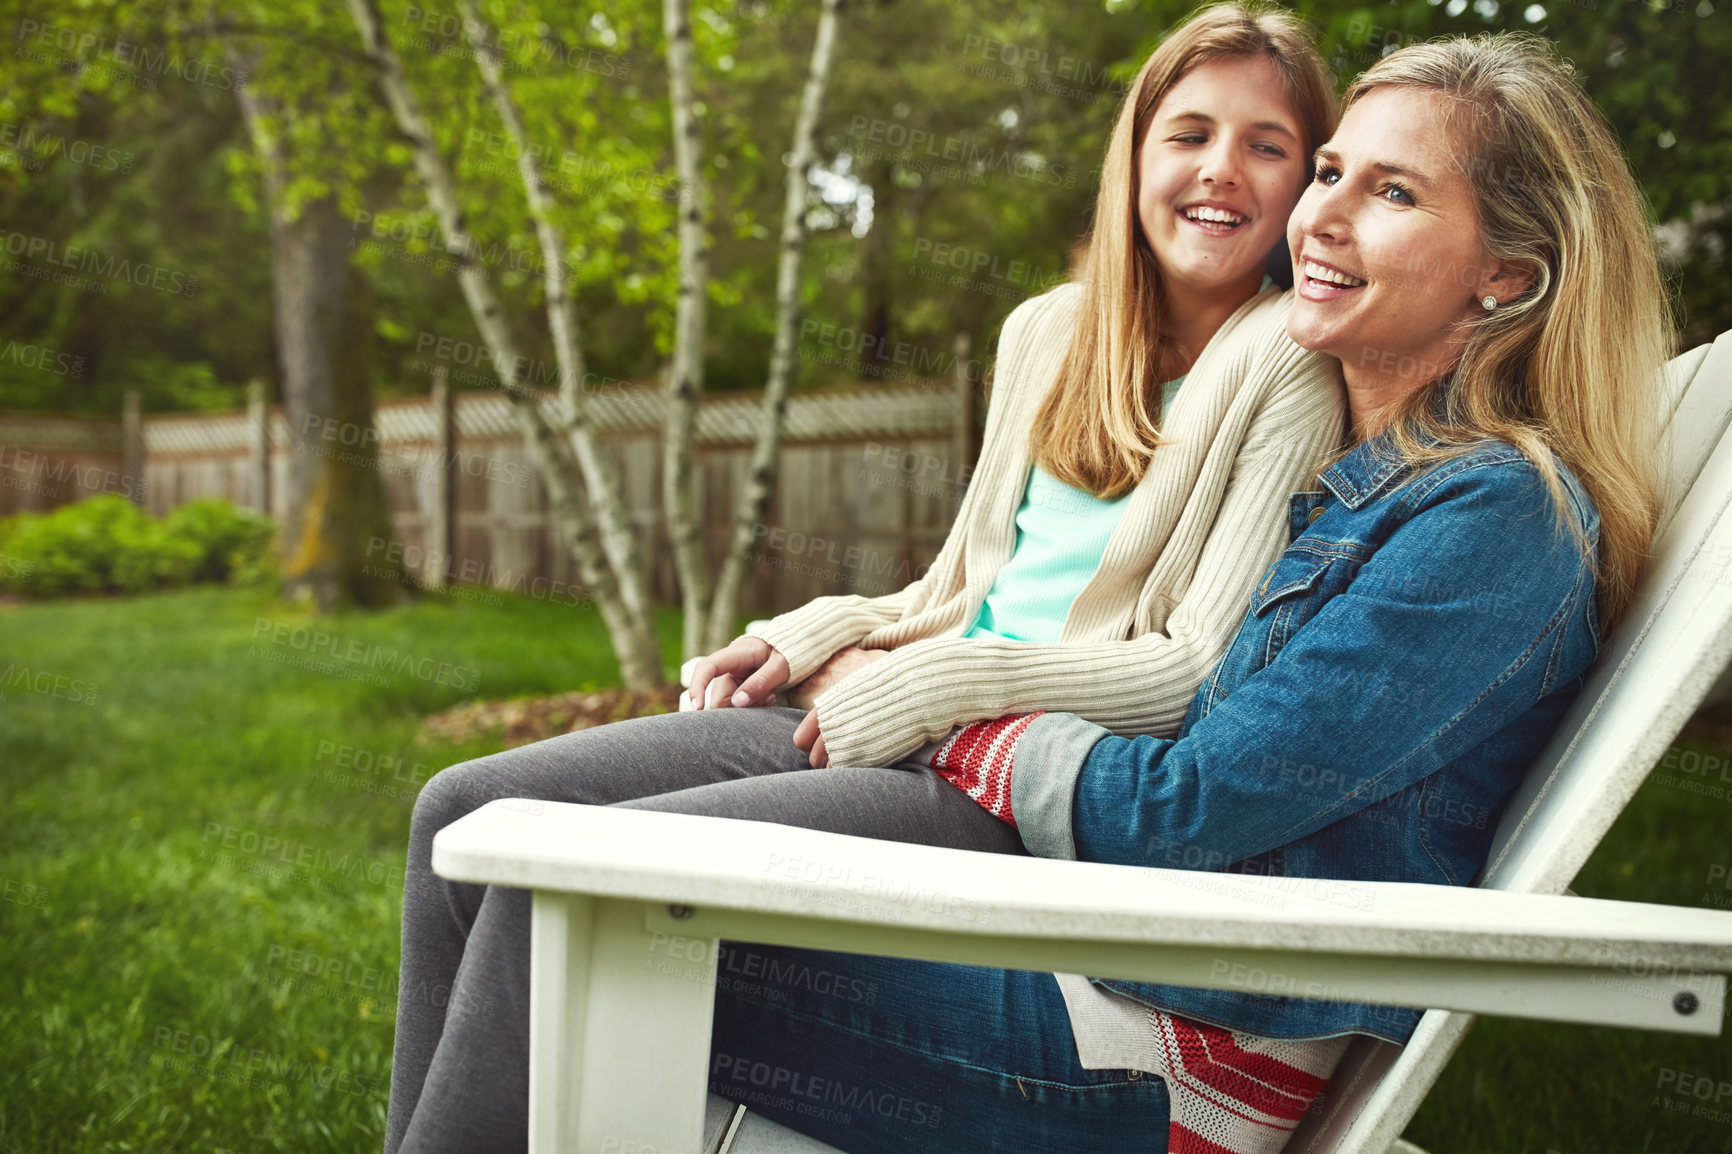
(1190, 138)
(1396, 194)
(1269, 149)
(1328, 174)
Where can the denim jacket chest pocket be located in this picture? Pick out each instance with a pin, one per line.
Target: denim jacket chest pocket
(1295, 589)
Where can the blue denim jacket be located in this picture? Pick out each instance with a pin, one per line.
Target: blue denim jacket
(1401, 664)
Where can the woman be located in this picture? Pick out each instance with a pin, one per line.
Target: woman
(1207, 158)
(1474, 251)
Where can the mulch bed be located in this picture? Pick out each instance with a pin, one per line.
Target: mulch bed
(527, 719)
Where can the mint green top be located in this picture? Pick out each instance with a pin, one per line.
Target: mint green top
(1061, 535)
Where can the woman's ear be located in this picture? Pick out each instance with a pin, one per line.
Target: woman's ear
(1506, 280)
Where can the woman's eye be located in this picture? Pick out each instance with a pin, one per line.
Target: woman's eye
(1269, 149)
(1328, 174)
(1396, 194)
(1190, 138)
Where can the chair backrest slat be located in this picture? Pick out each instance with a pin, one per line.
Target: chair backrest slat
(1697, 418)
(1650, 677)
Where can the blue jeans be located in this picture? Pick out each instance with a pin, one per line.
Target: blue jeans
(895, 1056)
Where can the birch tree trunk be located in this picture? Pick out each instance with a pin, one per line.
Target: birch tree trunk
(639, 658)
(754, 501)
(600, 479)
(686, 374)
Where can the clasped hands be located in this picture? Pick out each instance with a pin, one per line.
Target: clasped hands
(747, 672)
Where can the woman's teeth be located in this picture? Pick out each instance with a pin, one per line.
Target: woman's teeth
(1332, 276)
(1213, 215)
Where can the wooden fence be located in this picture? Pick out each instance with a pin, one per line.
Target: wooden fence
(870, 481)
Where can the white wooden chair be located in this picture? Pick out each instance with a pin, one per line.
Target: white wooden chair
(629, 905)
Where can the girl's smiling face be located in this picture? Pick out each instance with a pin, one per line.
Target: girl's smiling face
(1222, 164)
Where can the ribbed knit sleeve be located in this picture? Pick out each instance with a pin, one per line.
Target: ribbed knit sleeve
(1139, 686)
(810, 635)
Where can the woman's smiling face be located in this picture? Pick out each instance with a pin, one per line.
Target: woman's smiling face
(1222, 164)
(1388, 255)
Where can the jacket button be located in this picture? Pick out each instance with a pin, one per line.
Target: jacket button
(1315, 513)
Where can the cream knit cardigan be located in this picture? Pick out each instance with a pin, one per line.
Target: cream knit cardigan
(1256, 417)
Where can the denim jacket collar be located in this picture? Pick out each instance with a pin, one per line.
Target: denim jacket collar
(1364, 472)
(1371, 467)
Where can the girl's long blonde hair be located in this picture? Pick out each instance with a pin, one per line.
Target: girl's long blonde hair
(1099, 423)
(1571, 366)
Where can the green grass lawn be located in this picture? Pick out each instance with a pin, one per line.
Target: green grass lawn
(198, 929)
(200, 925)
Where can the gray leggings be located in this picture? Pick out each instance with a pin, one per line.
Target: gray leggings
(460, 1073)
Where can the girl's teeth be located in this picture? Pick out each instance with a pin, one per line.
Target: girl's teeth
(1213, 215)
(1319, 272)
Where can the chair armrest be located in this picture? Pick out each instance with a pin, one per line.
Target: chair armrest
(1561, 958)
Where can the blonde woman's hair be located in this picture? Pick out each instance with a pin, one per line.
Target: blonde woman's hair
(1100, 422)
(1572, 365)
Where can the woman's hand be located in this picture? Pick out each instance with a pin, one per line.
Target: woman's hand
(808, 738)
(844, 661)
(841, 664)
(750, 663)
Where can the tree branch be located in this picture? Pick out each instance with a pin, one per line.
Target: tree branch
(754, 501)
(599, 477)
(640, 660)
(686, 373)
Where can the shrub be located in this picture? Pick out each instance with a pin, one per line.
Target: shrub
(108, 545)
(234, 544)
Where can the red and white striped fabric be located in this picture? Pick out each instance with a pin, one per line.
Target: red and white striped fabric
(977, 758)
(1234, 1093)
(1231, 1093)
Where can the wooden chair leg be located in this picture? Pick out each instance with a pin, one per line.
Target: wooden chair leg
(619, 1035)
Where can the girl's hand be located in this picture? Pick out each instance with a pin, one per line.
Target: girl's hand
(753, 667)
(716, 694)
(843, 662)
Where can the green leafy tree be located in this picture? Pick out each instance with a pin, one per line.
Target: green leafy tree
(335, 536)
